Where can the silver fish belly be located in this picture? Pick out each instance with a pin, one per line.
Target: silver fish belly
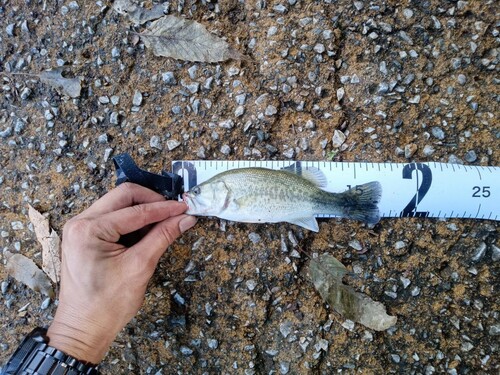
(260, 195)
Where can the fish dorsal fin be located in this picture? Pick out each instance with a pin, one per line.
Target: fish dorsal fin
(306, 222)
(312, 174)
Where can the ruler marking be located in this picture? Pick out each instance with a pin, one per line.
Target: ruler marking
(354, 170)
(390, 164)
(453, 167)
(479, 173)
(478, 210)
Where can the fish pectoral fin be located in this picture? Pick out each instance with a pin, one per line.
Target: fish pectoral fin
(306, 222)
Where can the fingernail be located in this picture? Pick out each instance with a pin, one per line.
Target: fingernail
(187, 223)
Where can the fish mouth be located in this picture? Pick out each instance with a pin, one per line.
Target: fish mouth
(186, 198)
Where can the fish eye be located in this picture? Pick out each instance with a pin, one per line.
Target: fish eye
(196, 190)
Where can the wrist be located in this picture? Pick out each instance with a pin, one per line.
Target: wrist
(82, 338)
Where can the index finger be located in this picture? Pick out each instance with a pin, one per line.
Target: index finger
(129, 219)
(124, 195)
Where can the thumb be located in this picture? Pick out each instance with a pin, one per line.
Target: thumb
(162, 235)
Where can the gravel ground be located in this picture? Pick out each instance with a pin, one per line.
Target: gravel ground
(328, 80)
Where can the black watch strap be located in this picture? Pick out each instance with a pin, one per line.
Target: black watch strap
(35, 356)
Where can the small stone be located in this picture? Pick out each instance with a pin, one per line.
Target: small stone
(103, 100)
(241, 99)
(415, 99)
(383, 88)
(338, 138)
(284, 367)
(19, 126)
(103, 138)
(115, 52)
(399, 245)
(340, 93)
(17, 225)
(10, 29)
(25, 93)
(286, 328)
(319, 48)
(356, 245)
(172, 144)
(114, 118)
(408, 13)
(410, 150)
(251, 284)
(254, 237)
(428, 150)
(406, 282)
(467, 346)
(495, 253)
(270, 110)
(280, 8)
(154, 142)
(169, 78)
(395, 358)
(45, 304)
(453, 159)
(438, 132)
(212, 343)
(191, 71)
(240, 110)
(358, 5)
(494, 330)
(225, 149)
(479, 252)
(115, 99)
(4, 287)
(186, 351)
(470, 156)
(289, 153)
(415, 291)
(227, 124)
(7, 132)
(176, 110)
(461, 79)
(272, 31)
(137, 100)
(349, 325)
(73, 5)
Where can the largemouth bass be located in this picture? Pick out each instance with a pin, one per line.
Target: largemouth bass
(293, 195)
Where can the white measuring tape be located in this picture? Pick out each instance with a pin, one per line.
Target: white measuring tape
(408, 190)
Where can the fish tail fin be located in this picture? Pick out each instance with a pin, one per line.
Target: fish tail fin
(361, 202)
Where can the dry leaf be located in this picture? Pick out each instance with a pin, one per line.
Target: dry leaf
(326, 273)
(188, 40)
(27, 272)
(67, 86)
(51, 244)
(137, 14)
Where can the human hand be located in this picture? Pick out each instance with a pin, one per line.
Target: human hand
(102, 281)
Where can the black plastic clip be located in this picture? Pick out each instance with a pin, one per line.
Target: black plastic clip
(170, 185)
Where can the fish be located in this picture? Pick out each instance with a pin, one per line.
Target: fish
(293, 194)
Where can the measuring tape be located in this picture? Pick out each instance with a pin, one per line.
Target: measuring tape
(408, 190)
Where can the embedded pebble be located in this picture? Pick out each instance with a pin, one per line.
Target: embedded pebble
(169, 78)
(251, 284)
(137, 100)
(173, 144)
(428, 150)
(286, 328)
(271, 110)
(154, 142)
(225, 149)
(438, 132)
(254, 237)
(338, 138)
(45, 304)
(470, 156)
